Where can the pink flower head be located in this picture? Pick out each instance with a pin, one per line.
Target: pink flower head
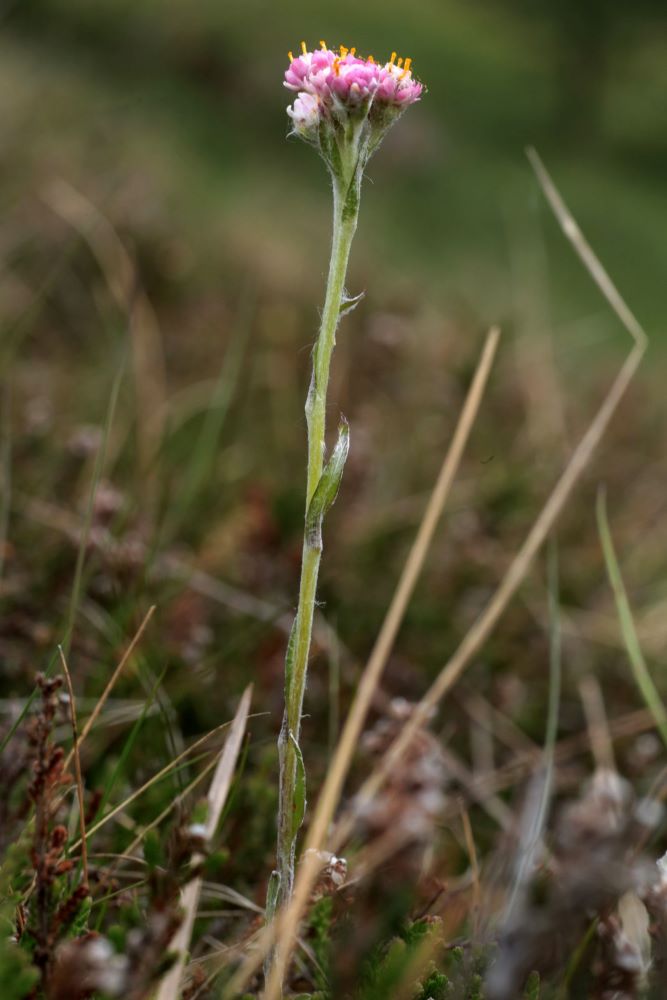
(353, 80)
(310, 71)
(334, 87)
(396, 84)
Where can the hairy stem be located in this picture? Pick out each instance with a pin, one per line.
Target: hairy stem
(346, 202)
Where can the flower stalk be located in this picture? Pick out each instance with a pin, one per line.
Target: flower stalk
(344, 106)
(290, 808)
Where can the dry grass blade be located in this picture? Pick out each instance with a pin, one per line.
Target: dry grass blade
(471, 851)
(162, 773)
(95, 714)
(170, 987)
(515, 574)
(176, 801)
(574, 234)
(77, 765)
(347, 743)
(602, 746)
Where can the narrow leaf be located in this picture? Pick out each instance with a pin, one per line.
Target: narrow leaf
(639, 666)
(327, 488)
(349, 303)
(272, 894)
(289, 660)
(299, 790)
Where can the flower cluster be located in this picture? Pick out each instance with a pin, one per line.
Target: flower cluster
(338, 86)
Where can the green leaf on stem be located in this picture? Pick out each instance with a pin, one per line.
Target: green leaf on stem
(327, 488)
(299, 789)
(272, 895)
(289, 660)
(349, 304)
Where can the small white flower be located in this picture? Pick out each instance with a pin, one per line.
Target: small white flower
(305, 112)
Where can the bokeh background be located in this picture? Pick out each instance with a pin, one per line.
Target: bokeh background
(171, 115)
(163, 250)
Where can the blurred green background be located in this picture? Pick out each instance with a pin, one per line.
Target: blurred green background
(175, 111)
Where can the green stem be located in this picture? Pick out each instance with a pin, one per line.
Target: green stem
(346, 202)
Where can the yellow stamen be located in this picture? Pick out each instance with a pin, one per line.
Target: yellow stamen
(393, 59)
(291, 57)
(370, 59)
(337, 66)
(323, 46)
(353, 52)
(399, 63)
(303, 48)
(406, 69)
(343, 51)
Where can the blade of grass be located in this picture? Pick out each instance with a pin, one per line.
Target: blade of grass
(158, 776)
(176, 801)
(129, 851)
(88, 516)
(95, 714)
(640, 669)
(126, 749)
(27, 706)
(77, 765)
(471, 851)
(576, 958)
(170, 730)
(170, 987)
